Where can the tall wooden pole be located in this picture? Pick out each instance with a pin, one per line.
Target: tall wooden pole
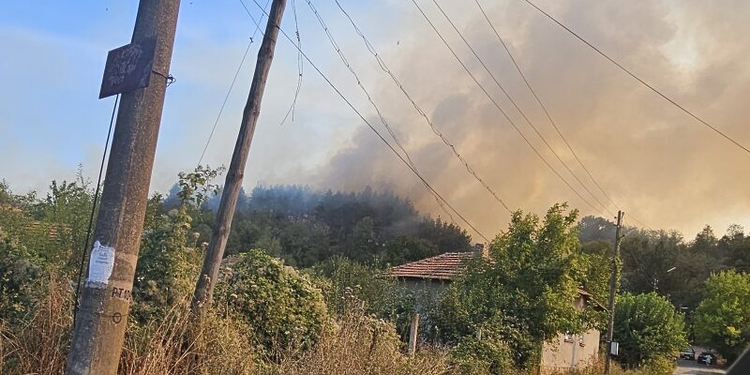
(105, 303)
(214, 253)
(612, 292)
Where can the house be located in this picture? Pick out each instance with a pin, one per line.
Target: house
(432, 275)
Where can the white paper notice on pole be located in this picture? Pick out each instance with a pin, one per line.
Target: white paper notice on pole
(101, 264)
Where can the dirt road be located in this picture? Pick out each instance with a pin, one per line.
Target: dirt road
(694, 368)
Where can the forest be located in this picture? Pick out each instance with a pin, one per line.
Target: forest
(306, 274)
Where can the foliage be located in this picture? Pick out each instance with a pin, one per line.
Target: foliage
(351, 284)
(658, 366)
(596, 259)
(486, 355)
(21, 280)
(722, 320)
(167, 265)
(367, 226)
(196, 187)
(647, 256)
(283, 308)
(66, 210)
(524, 294)
(174, 344)
(648, 329)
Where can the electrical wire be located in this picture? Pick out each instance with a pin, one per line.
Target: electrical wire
(383, 121)
(348, 66)
(541, 104)
(499, 108)
(85, 249)
(234, 79)
(300, 67)
(427, 185)
(384, 67)
(518, 108)
(630, 73)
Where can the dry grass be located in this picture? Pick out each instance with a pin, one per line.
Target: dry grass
(362, 345)
(357, 344)
(40, 344)
(177, 345)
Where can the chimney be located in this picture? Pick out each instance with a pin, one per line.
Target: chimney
(482, 249)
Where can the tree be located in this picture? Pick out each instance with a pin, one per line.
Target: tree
(648, 329)
(736, 248)
(722, 320)
(525, 293)
(647, 255)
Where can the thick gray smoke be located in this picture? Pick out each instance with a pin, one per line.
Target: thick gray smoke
(660, 166)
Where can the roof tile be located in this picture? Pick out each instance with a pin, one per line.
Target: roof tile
(441, 267)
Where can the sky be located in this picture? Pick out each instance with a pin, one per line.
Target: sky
(664, 169)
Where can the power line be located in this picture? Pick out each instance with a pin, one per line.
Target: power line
(385, 123)
(541, 104)
(386, 69)
(548, 114)
(348, 66)
(234, 79)
(517, 107)
(652, 88)
(300, 67)
(380, 136)
(346, 63)
(497, 105)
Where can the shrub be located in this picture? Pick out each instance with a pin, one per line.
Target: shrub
(648, 329)
(21, 280)
(284, 310)
(347, 282)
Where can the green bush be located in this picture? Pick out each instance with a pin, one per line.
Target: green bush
(21, 280)
(488, 355)
(167, 267)
(348, 282)
(285, 311)
(648, 329)
(722, 320)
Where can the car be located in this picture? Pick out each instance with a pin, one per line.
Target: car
(688, 353)
(707, 358)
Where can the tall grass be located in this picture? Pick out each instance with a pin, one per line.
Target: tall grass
(358, 344)
(39, 344)
(362, 345)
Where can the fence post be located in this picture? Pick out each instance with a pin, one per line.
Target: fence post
(413, 334)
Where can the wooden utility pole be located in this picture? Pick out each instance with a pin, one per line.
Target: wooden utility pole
(612, 292)
(204, 288)
(105, 303)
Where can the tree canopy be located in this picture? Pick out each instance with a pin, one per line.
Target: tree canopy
(722, 320)
(648, 329)
(525, 293)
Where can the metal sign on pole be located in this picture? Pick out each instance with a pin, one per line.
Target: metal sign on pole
(128, 68)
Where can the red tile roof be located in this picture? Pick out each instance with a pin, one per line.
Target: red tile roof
(441, 267)
(446, 267)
